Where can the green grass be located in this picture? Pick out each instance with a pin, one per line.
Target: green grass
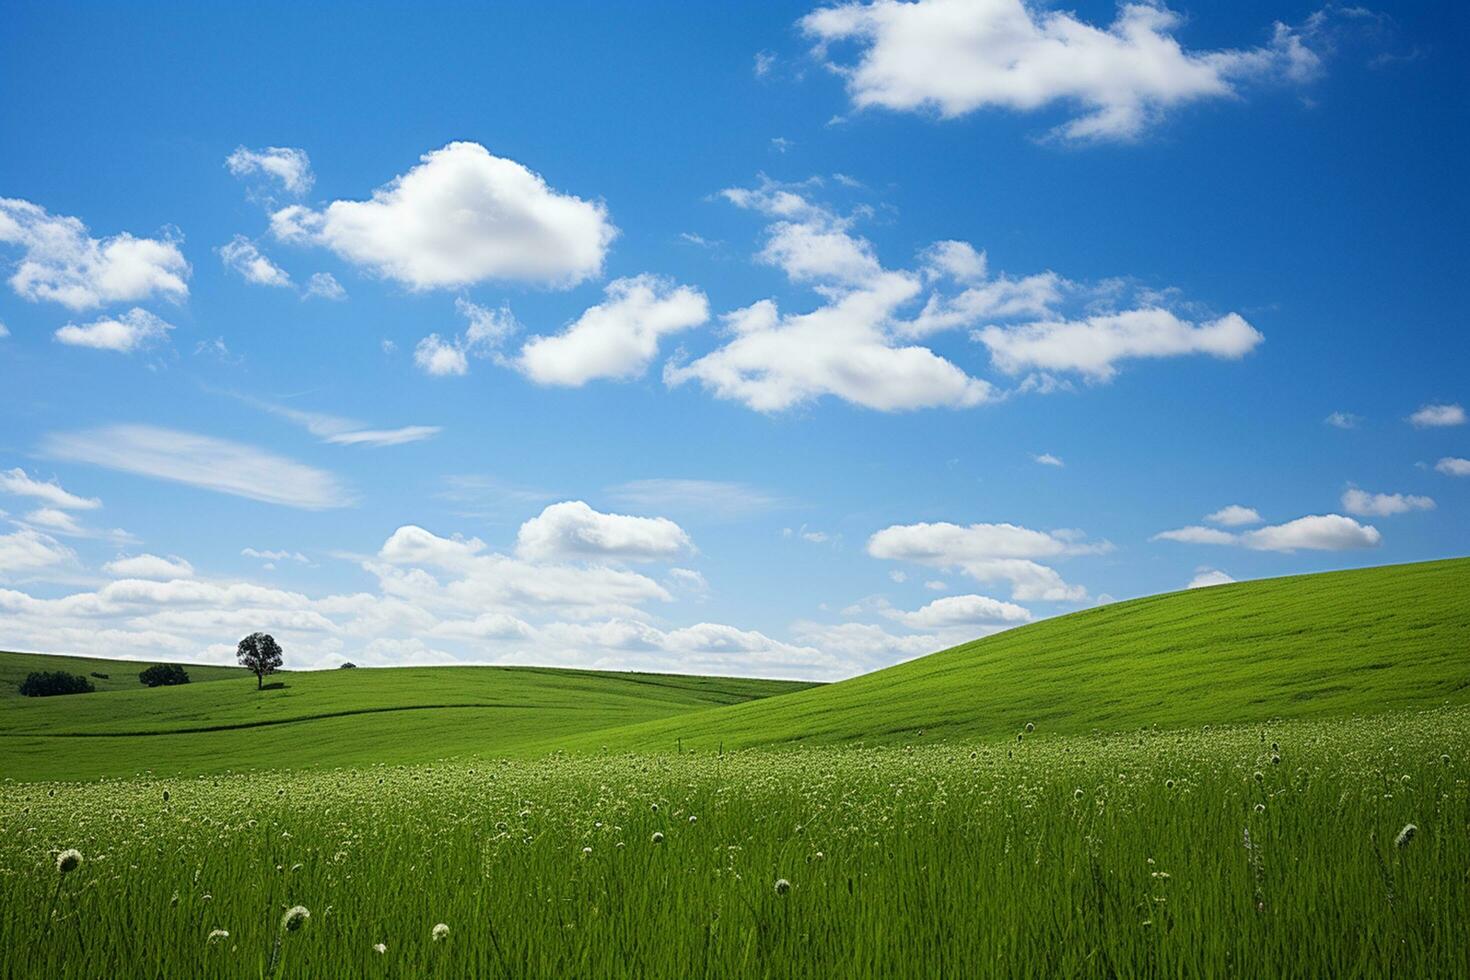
(1154, 854)
(122, 675)
(1336, 643)
(313, 719)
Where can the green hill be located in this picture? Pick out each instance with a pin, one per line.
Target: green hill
(105, 675)
(1335, 643)
(314, 719)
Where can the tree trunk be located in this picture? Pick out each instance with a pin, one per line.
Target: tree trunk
(259, 681)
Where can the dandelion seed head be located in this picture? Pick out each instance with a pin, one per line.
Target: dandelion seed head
(68, 861)
(440, 933)
(218, 935)
(1406, 835)
(295, 918)
(782, 886)
(658, 837)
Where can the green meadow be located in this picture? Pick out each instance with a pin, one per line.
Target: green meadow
(1261, 779)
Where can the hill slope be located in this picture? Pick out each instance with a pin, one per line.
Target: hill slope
(312, 719)
(1334, 643)
(122, 675)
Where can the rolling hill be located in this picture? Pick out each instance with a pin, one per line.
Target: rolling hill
(315, 719)
(1335, 643)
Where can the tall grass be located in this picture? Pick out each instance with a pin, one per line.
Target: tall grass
(1269, 850)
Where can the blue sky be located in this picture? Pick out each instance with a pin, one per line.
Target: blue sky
(771, 339)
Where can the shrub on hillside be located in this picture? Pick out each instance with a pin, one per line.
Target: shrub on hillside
(100, 675)
(347, 665)
(163, 675)
(46, 683)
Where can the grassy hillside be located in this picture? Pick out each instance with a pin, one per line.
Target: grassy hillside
(122, 675)
(325, 718)
(1335, 643)
(1317, 645)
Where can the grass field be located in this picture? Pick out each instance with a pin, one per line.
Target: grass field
(1251, 851)
(308, 719)
(1264, 779)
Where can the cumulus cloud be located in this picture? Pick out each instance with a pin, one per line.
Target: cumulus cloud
(149, 567)
(17, 483)
(286, 165)
(200, 461)
(1433, 416)
(241, 256)
(1234, 516)
(460, 217)
(486, 330)
(954, 57)
(1453, 466)
(130, 331)
(1365, 504)
(1324, 532)
(1093, 346)
(963, 611)
(28, 550)
(440, 358)
(1207, 577)
(619, 337)
(861, 343)
(572, 530)
(990, 553)
(63, 263)
(324, 285)
(1343, 420)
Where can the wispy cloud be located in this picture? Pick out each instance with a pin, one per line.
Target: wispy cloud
(712, 497)
(201, 461)
(341, 431)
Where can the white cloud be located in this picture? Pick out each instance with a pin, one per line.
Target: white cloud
(774, 362)
(958, 56)
(274, 555)
(439, 357)
(1430, 416)
(241, 256)
(324, 285)
(764, 61)
(1234, 516)
(1208, 577)
(200, 461)
(55, 520)
(1453, 466)
(64, 264)
(617, 338)
(150, 567)
(572, 529)
(346, 432)
(962, 611)
(1343, 420)
(1194, 534)
(1093, 346)
(1325, 532)
(4, 331)
(483, 335)
(16, 482)
(1365, 504)
(709, 497)
(1047, 459)
(28, 550)
(936, 585)
(864, 646)
(460, 217)
(989, 553)
(133, 330)
(288, 166)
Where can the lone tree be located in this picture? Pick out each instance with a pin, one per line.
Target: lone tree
(260, 653)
